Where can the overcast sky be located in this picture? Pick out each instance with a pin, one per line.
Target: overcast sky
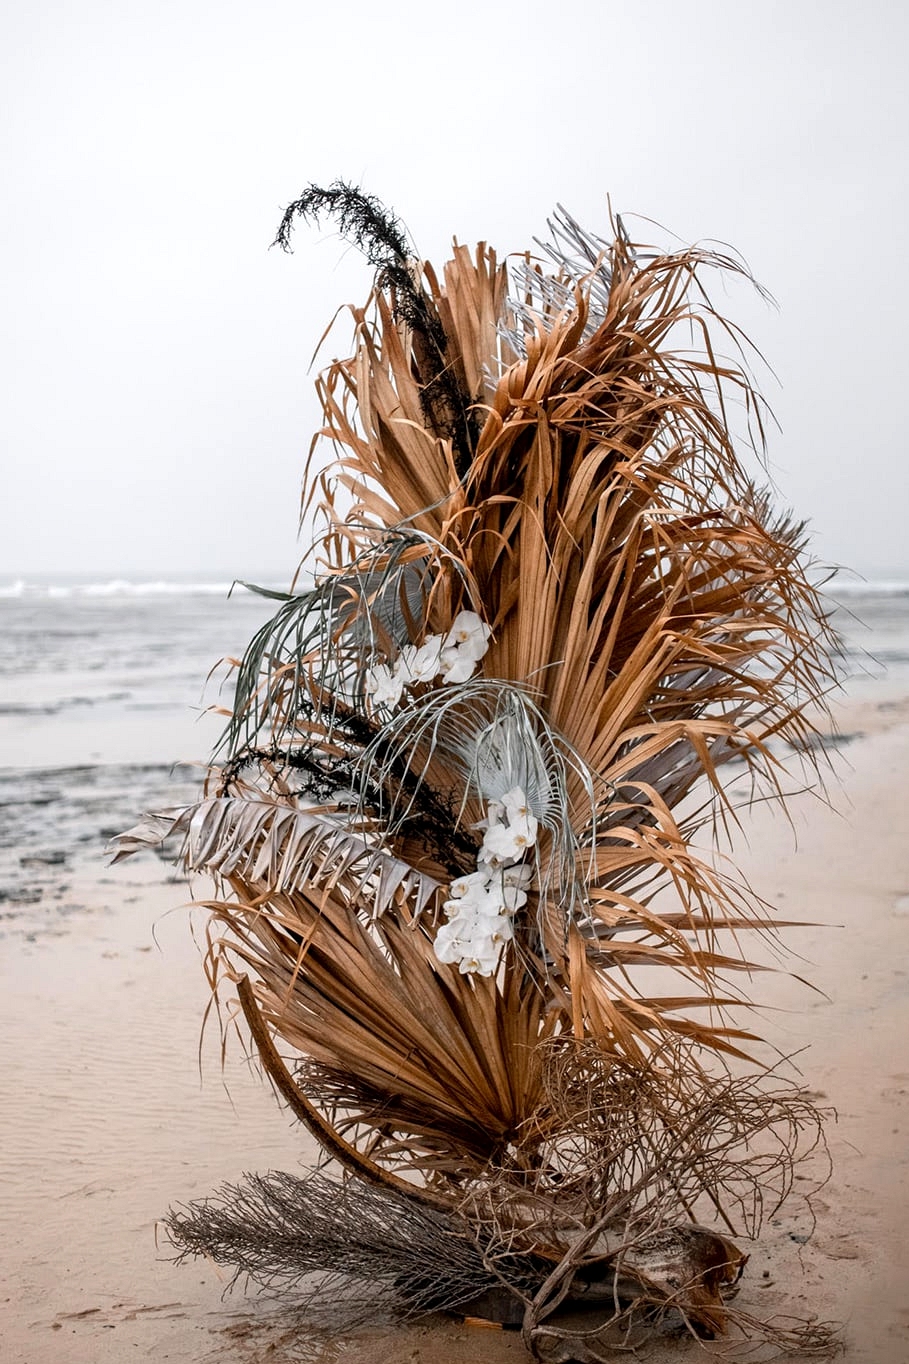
(158, 405)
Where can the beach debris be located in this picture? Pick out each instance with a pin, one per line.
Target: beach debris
(453, 822)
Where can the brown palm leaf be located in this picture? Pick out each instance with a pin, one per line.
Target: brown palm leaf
(551, 448)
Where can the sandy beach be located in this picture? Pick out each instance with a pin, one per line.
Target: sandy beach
(111, 1110)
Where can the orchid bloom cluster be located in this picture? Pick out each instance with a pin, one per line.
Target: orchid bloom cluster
(455, 656)
(483, 903)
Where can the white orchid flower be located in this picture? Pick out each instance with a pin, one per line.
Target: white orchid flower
(469, 635)
(456, 666)
(513, 898)
(421, 662)
(502, 929)
(491, 862)
(518, 814)
(510, 829)
(384, 684)
(483, 962)
(449, 947)
(489, 890)
(527, 825)
(483, 902)
(515, 805)
(506, 843)
(465, 885)
(470, 954)
(478, 965)
(472, 940)
(495, 813)
(459, 936)
(476, 913)
(517, 876)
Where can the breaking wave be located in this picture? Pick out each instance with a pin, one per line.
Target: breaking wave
(125, 587)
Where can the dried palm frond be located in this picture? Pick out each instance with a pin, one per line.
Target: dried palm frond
(271, 842)
(520, 1252)
(642, 594)
(439, 1067)
(312, 1236)
(557, 458)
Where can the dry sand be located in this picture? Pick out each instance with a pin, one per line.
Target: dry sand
(105, 1119)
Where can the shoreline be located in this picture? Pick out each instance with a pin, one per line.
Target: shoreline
(105, 1121)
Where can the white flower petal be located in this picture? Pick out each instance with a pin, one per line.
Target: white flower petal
(481, 963)
(505, 842)
(515, 803)
(384, 685)
(513, 898)
(465, 885)
(456, 666)
(420, 663)
(468, 631)
(504, 929)
(471, 919)
(448, 947)
(521, 875)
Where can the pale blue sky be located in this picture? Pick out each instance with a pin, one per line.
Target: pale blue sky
(158, 407)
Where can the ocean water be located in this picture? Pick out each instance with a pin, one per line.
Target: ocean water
(105, 712)
(106, 691)
(873, 622)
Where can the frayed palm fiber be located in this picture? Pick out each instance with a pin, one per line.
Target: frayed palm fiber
(603, 1219)
(567, 447)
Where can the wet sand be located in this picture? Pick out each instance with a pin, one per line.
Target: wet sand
(109, 1111)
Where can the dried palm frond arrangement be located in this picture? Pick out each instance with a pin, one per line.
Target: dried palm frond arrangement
(454, 819)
